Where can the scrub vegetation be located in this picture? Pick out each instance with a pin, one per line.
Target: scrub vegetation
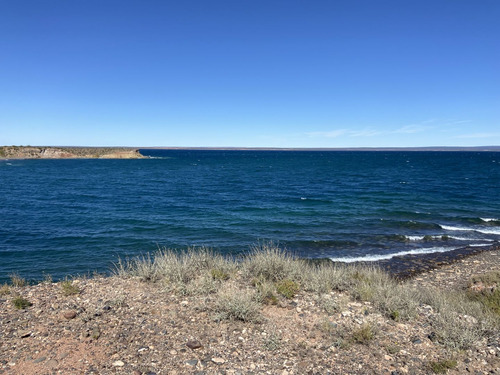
(268, 275)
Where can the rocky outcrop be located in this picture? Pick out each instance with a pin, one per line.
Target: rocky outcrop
(30, 152)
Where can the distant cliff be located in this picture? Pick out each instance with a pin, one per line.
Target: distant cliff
(38, 152)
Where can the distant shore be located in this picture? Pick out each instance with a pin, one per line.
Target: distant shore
(50, 152)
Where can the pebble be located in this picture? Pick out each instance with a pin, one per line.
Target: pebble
(118, 363)
(70, 314)
(194, 344)
(218, 360)
(192, 362)
(41, 359)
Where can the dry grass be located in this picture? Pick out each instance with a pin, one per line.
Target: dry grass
(268, 271)
(237, 304)
(17, 280)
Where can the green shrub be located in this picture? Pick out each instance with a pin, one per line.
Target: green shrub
(21, 303)
(442, 367)
(218, 274)
(69, 289)
(364, 334)
(287, 288)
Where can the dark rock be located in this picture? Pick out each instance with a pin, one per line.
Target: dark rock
(41, 359)
(194, 344)
(192, 362)
(24, 334)
(432, 336)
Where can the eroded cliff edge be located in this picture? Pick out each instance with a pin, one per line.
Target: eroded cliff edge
(42, 152)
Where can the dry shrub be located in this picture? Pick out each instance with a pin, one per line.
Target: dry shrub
(236, 304)
(269, 262)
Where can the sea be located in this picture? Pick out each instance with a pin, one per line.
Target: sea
(62, 218)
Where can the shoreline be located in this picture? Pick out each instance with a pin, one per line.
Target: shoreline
(54, 152)
(128, 324)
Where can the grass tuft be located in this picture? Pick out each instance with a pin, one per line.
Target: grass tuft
(17, 280)
(69, 289)
(21, 303)
(442, 367)
(364, 334)
(4, 290)
(237, 304)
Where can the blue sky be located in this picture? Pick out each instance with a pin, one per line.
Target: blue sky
(254, 73)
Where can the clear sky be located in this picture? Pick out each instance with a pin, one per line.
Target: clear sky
(311, 73)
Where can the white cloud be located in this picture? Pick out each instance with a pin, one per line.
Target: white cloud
(479, 135)
(329, 134)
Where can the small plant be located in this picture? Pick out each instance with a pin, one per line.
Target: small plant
(218, 274)
(265, 291)
(364, 334)
(47, 278)
(272, 340)
(4, 290)
(21, 303)
(393, 348)
(287, 288)
(237, 304)
(69, 289)
(395, 315)
(17, 280)
(441, 367)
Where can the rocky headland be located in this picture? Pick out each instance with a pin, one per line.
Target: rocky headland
(42, 152)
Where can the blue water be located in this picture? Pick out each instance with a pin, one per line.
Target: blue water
(63, 217)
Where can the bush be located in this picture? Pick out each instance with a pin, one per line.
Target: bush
(237, 304)
(4, 290)
(364, 334)
(17, 281)
(69, 289)
(21, 303)
(441, 367)
(269, 262)
(287, 288)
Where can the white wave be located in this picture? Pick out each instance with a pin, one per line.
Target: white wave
(489, 230)
(374, 258)
(449, 227)
(488, 219)
(480, 230)
(479, 244)
(439, 237)
(415, 238)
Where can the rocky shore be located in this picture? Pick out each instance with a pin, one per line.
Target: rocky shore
(30, 152)
(130, 325)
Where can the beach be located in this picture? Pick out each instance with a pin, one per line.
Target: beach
(122, 324)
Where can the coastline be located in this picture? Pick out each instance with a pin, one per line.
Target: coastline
(51, 152)
(125, 325)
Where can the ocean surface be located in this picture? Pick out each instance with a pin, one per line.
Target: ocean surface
(73, 217)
